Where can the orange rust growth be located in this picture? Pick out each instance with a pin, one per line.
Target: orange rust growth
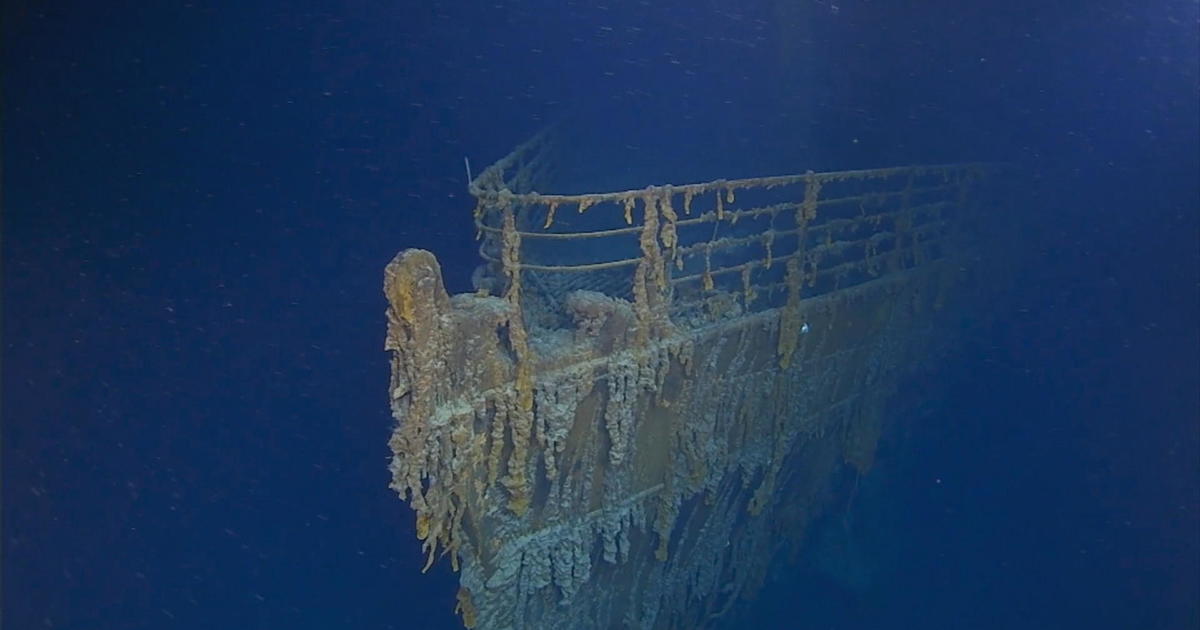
(466, 608)
(521, 421)
(553, 206)
(789, 318)
(612, 424)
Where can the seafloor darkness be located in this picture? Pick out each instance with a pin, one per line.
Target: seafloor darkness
(199, 199)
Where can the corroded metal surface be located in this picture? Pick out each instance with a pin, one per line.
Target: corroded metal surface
(635, 446)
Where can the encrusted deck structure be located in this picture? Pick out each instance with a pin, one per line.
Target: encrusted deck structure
(640, 410)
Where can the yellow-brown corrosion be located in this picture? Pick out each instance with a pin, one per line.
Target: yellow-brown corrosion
(594, 456)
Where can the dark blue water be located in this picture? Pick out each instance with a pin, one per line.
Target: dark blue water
(199, 199)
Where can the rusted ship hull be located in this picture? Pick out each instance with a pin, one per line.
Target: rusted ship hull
(640, 456)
